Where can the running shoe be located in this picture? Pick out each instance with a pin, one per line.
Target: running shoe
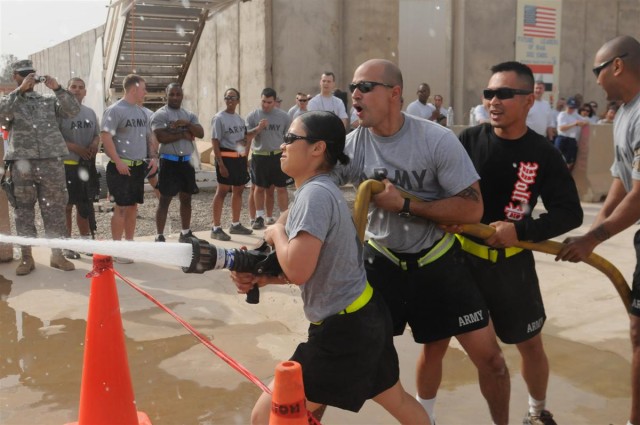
(545, 418)
(239, 229)
(220, 235)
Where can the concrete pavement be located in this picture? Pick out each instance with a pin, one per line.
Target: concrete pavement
(176, 380)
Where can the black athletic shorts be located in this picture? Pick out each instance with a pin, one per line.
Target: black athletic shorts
(568, 146)
(635, 287)
(175, 177)
(126, 190)
(438, 300)
(238, 173)
(266, 171)
(511, 290)
(76, 186)
(349, 358)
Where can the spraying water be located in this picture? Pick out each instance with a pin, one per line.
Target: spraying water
(174, 254)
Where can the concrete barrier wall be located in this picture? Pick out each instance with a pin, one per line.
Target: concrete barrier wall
(286, 44)
(71, 58)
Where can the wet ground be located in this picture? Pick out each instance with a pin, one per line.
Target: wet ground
(176, 380)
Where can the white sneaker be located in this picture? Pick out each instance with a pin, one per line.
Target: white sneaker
(122, 260)
(269, 221)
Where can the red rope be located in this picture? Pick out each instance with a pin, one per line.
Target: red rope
(203, 339)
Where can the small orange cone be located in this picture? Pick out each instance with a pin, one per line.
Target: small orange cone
(288, 401)
(106, 394)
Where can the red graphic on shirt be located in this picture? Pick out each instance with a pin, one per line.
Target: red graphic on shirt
(521, 195)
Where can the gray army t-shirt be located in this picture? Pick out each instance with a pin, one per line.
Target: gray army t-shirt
(163, 118)
(129, 127)
(230, 130)
(422, 158)
(626, 137)
(339, 278)
(80, 130)
(269, 139)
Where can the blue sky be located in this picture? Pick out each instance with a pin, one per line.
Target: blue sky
(28, 26)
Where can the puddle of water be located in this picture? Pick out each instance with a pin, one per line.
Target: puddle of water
(178, 381)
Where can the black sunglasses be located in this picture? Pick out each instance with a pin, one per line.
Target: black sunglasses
(503, 93)
(231, 98)
(25, 74)
(289, 138)
(367, 86)
(598, 69)
(302, 100)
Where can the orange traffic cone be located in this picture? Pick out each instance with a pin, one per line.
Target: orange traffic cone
(106, 394)
(288, 401)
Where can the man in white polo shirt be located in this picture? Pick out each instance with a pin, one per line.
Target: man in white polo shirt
(540, 119)
(326, 101)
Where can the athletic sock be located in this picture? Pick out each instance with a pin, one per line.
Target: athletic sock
(235, 223)
(214, 228)
(185, 231)
(260, 213)
(429, 406)
(536, 406)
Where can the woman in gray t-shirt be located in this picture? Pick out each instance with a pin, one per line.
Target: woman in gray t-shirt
(349, 356)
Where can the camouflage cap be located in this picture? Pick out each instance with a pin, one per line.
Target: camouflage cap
(22, 65)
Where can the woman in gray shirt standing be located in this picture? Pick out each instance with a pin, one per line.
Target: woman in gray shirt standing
(349, 356)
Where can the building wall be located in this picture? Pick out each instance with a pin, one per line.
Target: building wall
(71, 58)
(425, 47)
(484, 32)
(286, 44)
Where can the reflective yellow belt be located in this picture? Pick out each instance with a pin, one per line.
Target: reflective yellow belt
(486, 252)
(70, 162)
(131, 162)
(358, 303)
(434, 253)
(266, 153)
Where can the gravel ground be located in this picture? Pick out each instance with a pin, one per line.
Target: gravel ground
(146, 225)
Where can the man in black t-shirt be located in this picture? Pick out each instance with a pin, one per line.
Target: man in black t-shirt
(516, 166)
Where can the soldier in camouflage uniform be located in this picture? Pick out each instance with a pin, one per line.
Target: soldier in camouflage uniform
(36, 149)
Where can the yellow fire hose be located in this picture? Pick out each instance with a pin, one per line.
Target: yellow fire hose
(482, 231)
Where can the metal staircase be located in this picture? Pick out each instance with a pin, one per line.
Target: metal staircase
(155, 39)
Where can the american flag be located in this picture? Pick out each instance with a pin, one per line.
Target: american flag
(540, 21)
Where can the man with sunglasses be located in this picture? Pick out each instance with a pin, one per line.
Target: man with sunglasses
(516, 166)
(302, 99)
(618, 73)
(416, 266)
(35, 153)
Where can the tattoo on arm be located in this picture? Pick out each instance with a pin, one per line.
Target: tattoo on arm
(469, 193)
(601, 234)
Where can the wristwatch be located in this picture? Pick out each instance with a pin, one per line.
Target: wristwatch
(404, 212)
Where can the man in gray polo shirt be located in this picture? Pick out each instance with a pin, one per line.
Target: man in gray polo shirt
(82, 137)
(175, 128)
(126, 136)
(270, 124)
